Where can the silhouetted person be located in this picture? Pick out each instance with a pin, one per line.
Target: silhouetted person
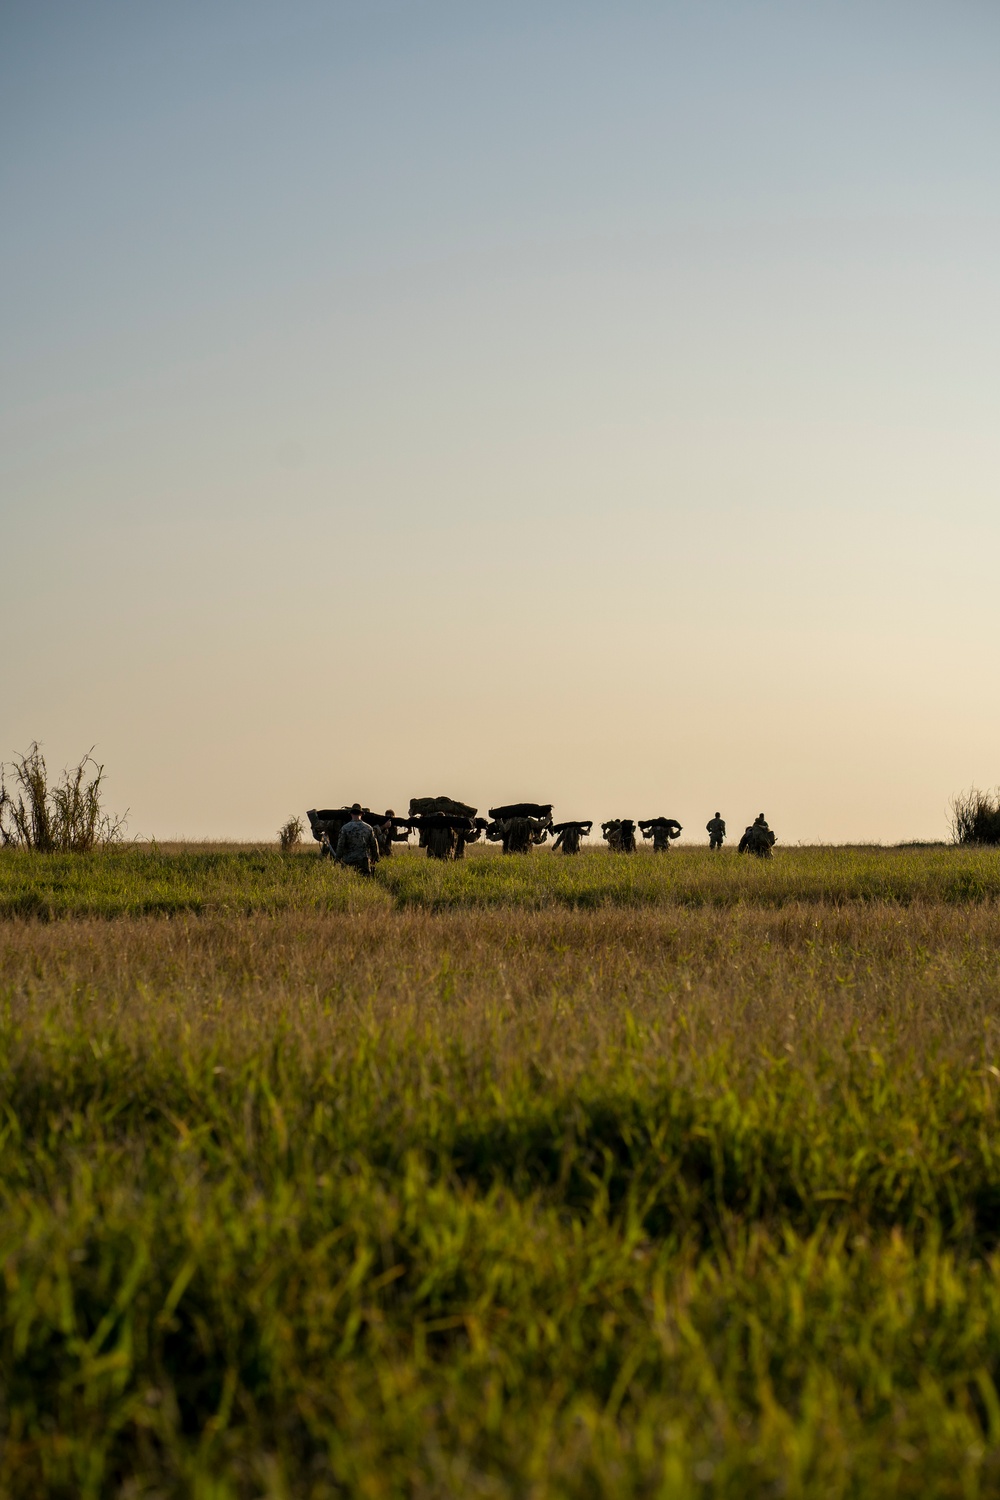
(661, 831)
(757, 839)
(568, 840)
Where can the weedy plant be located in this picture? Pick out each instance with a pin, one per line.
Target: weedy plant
(66, 818)
(975, 817)
(290, 834)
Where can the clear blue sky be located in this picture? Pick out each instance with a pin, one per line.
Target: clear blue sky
(595, 403)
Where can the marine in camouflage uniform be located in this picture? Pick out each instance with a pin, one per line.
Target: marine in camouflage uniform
(455, 827)
(383, 831)
(440, 842)
(462, 838)
(757, 839)
(445, 835)
(357, 845)
(619, 835)
(567, 841)
(716, 830)
(518, 834)
(661, 832)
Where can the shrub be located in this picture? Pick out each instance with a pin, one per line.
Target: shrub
(290, 834)
(975, 817)
(66, 818)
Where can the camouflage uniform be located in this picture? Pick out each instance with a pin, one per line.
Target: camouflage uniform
(568, 841)
(620, 835)
(518, 834)
(662, 833)
(462, 838)
(386, 835)
(757, 839)
(716, 830)
(440, 842)
(357, 846)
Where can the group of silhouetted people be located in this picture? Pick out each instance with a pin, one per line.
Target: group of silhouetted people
(360, 844)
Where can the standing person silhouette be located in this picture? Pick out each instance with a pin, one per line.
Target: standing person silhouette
(357, 845)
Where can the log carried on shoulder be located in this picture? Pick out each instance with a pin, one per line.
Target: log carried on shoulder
(445, 825)
(619, 834)
(542, 810)
(445, 820)
(425, 806)
(568, 836)
(330, 820)
(326, 822)
(671, 825)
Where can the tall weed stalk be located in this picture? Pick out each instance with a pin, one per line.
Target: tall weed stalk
(66, 818)
(975, 817)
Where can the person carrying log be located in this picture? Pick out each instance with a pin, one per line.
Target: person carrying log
(520, 825)
(569, 836)
(387, 832)
(661, 831)
(619, 834)
(445, 825)
(445, 835)
(465, 836)
(518, 835)
(357, 846)
(440, 843)
(757, 839)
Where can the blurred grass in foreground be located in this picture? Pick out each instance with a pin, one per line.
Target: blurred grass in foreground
(144, 880)
(677, 1200)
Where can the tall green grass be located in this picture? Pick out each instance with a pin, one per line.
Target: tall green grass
(392, 1273)
(138, 881)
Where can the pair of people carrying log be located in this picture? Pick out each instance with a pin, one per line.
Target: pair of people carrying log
(519, 826)
(757, 839)
(619, 833)
(445, 826)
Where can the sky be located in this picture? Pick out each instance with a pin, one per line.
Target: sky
(572, 402)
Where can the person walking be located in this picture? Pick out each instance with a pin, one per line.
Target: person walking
(661, 831)
(357, 845)
(569, 836)
(716, 832)
(758, 839)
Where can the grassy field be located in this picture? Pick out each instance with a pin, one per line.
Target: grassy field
(663, 1177)
(144, 880)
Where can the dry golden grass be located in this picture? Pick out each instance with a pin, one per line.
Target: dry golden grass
(562, 984)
